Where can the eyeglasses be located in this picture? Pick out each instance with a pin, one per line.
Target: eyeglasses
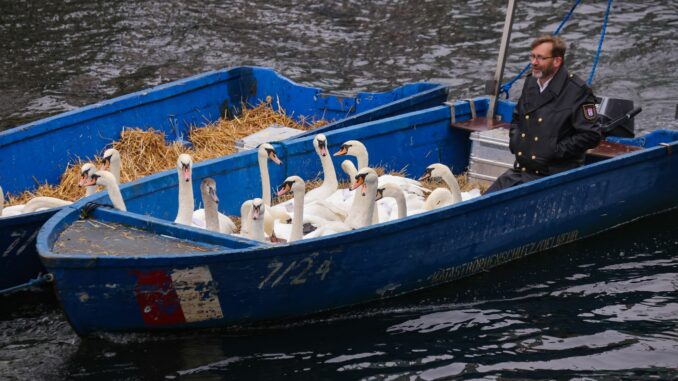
(538, 58)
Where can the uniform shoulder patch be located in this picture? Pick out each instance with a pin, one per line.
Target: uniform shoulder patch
(589, 110)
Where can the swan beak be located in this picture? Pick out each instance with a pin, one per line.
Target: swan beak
(323, 148)
(342, 151)
(83, 181)
(380, 194)
(274, 158)
(364, 189)
(187, 173)
(256, 213)
(89, 182)
(358, 182)
(284, 189)
(106, 163)
(213, 194)
(426, 175)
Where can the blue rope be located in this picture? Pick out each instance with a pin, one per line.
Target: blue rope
(38, 281)
(507, 86)
(600, 43)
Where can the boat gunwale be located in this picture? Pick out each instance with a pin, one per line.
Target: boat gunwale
(161, 92)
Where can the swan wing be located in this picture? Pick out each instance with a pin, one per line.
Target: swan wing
(226, 225)
(473, 193)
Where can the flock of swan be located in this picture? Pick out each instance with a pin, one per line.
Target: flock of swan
(325, 210)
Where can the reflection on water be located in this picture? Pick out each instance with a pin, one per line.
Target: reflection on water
(603, 308)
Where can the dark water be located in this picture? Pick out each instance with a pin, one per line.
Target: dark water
(604, 308)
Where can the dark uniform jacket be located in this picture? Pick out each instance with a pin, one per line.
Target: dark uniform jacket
(551, 131)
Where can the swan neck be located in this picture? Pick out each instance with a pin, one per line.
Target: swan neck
(258, 229)
(298, 220)
(453, 184)
(115, 170)
(363, 158)
(265, 180)
(116, 197)
(90, 190)
(402, 205)
(211, 212)
(186, 202)
(329, 174)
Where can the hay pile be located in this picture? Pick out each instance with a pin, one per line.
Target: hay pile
(146, 152)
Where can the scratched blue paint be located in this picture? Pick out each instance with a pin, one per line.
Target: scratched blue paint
(257, 282)
(40, 151)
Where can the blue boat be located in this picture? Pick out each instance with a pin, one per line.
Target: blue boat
(171, 108)
(171, 276)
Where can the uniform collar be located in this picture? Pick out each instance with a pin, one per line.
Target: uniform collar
(553, 90)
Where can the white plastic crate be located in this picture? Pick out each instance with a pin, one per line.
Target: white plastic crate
(269, 134)
(490, 155)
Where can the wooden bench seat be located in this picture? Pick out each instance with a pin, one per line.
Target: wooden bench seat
(479, 124)
(607, 149)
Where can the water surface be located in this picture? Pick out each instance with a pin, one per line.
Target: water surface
(603, 308)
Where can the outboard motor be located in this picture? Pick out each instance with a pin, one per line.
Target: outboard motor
(611, 109)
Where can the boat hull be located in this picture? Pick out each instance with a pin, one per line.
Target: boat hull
(244, 282)
(171, 108)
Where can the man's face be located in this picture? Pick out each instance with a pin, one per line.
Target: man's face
(544, 65)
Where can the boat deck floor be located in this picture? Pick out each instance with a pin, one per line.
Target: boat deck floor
(113, 239)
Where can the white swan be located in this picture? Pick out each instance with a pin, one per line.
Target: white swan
(86, 172)
(300, 217)
(403, 209)
(438, 198)
(359, 151)
(256, 223)
(266, 152)
(111, 162)
(330, 183)
(107, 180)
(363, 206)
(209, 217)
(296, 185)
(245, 218)
(438, 170)
(186, 201)
(43, 203)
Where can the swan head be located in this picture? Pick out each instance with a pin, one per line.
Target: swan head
(388, 190)
(209, 187)
(185, 167)
(258, 209)
(364, 178)
(320, 144)
(101, 177)
(435, 171)
(352, 148)
(266, 150)
(438, 198)
(293, 183)
(86, 172)
(111, 155)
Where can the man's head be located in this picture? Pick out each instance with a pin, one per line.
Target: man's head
(547, 56)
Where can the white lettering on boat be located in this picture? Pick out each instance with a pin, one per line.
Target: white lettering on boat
(15, 243)
(296, 272)
(197, 294)
(481, 264)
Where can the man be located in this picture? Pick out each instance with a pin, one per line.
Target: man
(555, 120)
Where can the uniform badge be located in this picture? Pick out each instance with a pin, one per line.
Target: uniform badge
(590, 112)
